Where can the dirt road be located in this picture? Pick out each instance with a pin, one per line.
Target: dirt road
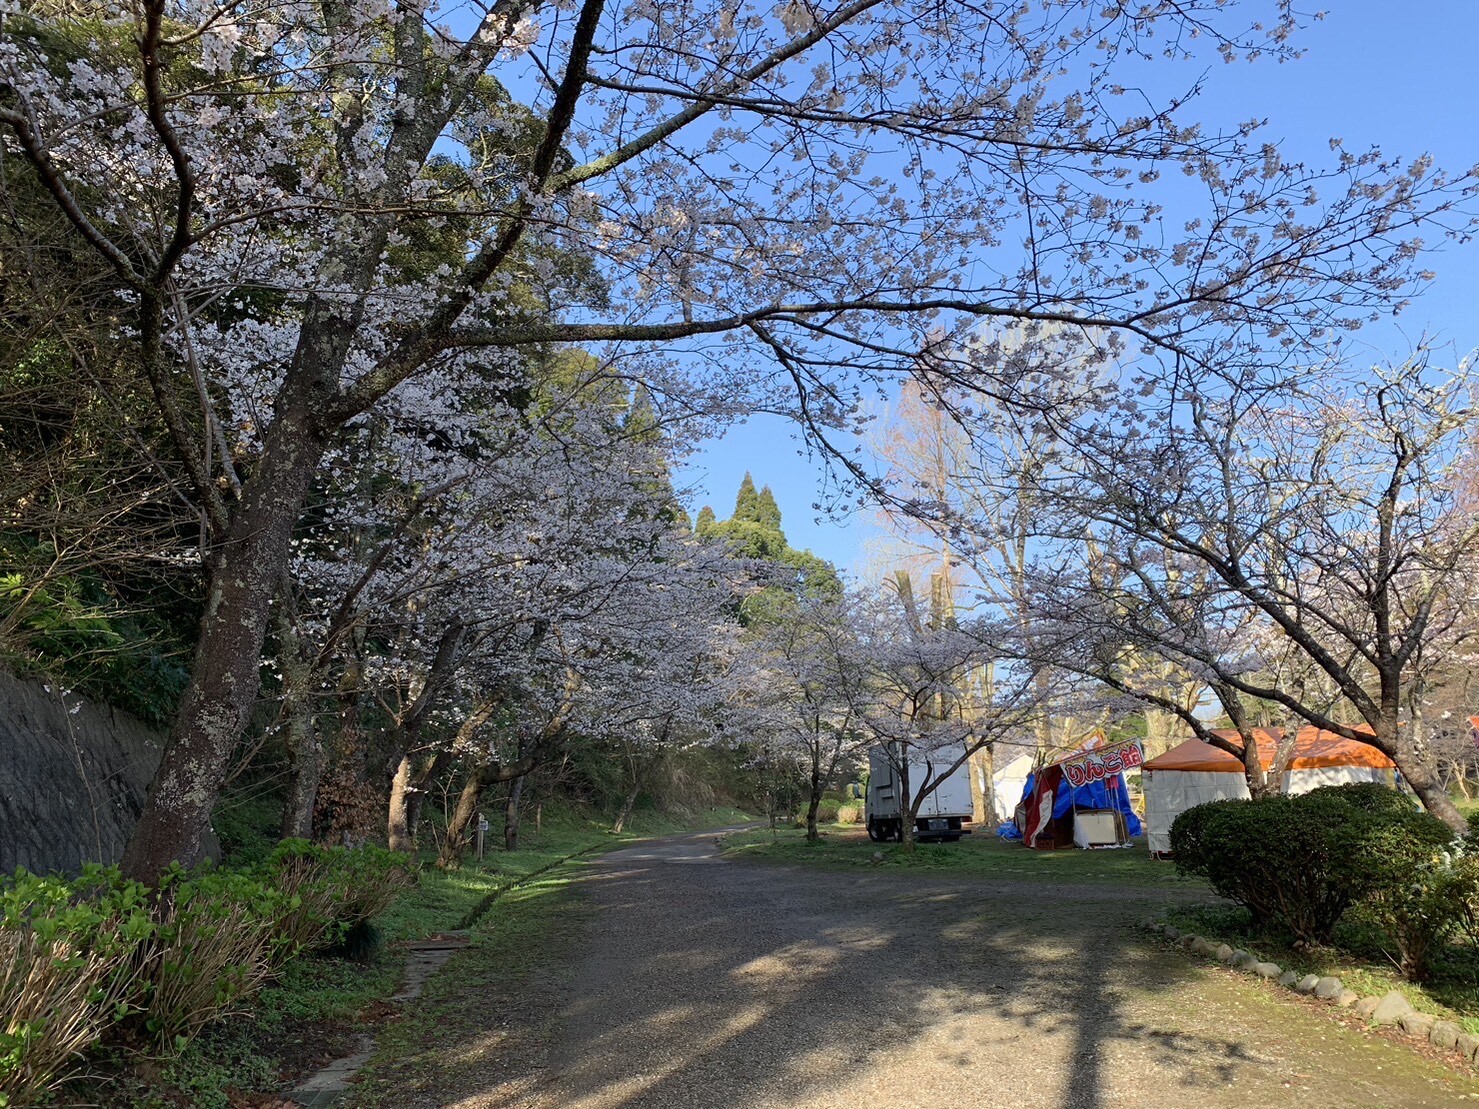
(698, 982)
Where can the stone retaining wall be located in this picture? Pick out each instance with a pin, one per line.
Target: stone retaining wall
(73, 777)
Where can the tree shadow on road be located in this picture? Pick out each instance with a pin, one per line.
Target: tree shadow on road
(725, 984)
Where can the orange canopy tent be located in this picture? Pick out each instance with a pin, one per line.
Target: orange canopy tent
(1313, 747)
(1195, 772)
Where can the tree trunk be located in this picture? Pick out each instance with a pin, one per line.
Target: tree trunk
(1434, 796)
(981, 770)
(906, 804)
(245, 573)
(398, 831)
(511, 814)
(300, 736)
(466, 810)
(302, 743)
(814, 801)
(627, 805)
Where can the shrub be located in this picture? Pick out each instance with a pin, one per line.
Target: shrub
(850, 814)
(337, 890)
(217, 943)
(1304, 860)
(66, 972)
(827, 811)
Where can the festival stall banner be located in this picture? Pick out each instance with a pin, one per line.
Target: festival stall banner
(1102, 762)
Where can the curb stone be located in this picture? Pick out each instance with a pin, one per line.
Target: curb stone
(1268, 970)
(1288, 978)
(1445, 1034)
(1328, 989)
(1306, 984)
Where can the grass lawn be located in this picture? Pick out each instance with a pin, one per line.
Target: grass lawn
(977, 856)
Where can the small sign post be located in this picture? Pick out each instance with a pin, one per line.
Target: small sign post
(482, 831)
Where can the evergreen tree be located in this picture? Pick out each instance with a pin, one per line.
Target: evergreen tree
(754, 531)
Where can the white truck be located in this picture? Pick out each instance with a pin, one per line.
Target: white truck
(945, 814)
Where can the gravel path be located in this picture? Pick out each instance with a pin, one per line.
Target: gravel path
(700, 982)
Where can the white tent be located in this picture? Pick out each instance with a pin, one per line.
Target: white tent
(1195, 773)
(1008, 784)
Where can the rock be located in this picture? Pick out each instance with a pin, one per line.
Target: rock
(1239, 953)
(1224, 953)
(1328, 989)
(1307, 983)
(878, 856)
(1389, 1008)
(1416, 1024)
(1468, 1044)
(1445, 1034)
(1346, 998)
(1245, 961)
(1288, 978)
(1202, 947)
(1172, 934)
(1365, 1006)
(1268, 970)
(1188, 940)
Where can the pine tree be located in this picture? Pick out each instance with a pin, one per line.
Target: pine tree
(767, 512)
(747, 501)
(706, 522)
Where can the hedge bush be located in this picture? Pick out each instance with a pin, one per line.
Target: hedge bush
(1303, 861)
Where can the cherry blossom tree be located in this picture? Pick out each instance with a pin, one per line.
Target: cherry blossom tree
(805, 197)
(804, 677)
(1253, 527)
(932, 694)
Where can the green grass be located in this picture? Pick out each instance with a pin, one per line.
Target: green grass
(469, 1021)
(846, 847)
(1358, 961)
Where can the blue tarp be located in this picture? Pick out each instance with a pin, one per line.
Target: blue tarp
(1095, 795)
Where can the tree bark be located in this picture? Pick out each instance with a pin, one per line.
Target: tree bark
(302, 743)
(450, 856)
(511, 814)
(245, 574)
(1431, 792)
(627, 805)
(814, 800)
(399, 834)
(300, 735)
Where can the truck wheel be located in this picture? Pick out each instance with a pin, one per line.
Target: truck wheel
(873, 831)
(898, 831)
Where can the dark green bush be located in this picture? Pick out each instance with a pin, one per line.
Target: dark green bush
(827, 811)
(1302, 861)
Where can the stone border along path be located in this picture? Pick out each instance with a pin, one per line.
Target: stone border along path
(423, 959)
(1392, 1009)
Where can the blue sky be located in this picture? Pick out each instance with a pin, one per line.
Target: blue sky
(1397, 76)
